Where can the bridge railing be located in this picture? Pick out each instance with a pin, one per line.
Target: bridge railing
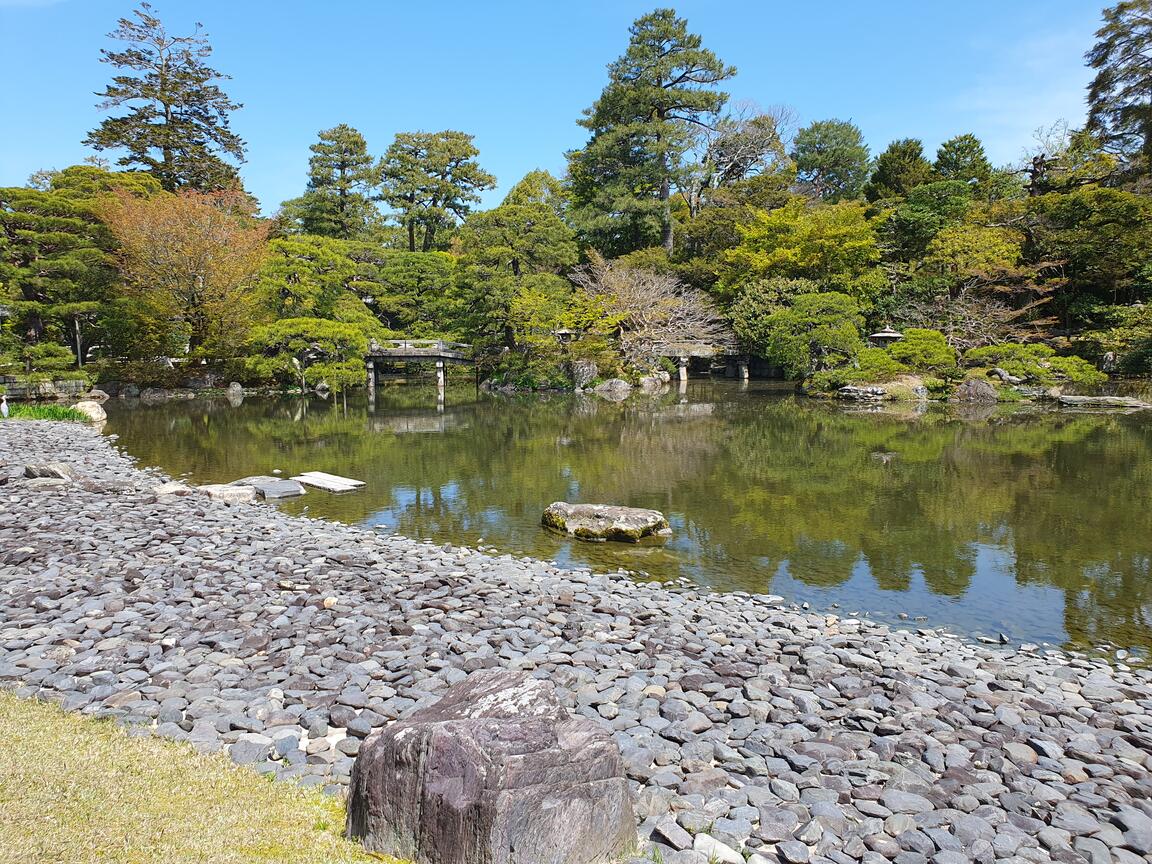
(429, 345)
(694, 348)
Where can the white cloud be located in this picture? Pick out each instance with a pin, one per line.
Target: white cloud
(1040, 80)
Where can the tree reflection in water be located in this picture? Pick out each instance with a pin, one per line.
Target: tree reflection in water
(1031, 521)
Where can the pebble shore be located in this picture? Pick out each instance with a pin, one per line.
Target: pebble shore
(751, 729)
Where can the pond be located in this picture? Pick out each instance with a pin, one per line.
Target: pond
(1034, 523)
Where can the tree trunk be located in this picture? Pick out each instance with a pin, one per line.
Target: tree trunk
(665, 193)
(411, 235)
(666, 215)
(429, 236)
(79, 350)
(168, 181)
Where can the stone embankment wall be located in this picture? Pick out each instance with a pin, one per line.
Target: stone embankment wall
(750, 729)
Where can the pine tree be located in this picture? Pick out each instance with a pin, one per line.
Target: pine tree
(55, 267)
(962, 158)
(641, 126)
(831, 159)
(900, 168)
(1120, 96)
(432, 179)
(176, 127)
(341, 179)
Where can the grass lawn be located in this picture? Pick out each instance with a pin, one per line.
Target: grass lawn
(75, 790)
(40, 411)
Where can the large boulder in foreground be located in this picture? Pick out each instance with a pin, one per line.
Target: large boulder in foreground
(605, 522)
(496, 772)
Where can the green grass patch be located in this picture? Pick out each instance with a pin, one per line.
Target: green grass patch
(36, 411)
(78, 790)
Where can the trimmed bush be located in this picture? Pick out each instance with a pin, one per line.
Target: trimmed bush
(926, 351)
(1036, 364)
(873, 366)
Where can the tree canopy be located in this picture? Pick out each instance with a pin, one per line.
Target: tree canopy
(342, 179)
(832, 159)
(432, 179)
(177, 124)
(682, 215)
(899, 170)
(1120, 95)
(659, 92)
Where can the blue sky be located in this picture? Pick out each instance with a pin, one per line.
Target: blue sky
(518, 74)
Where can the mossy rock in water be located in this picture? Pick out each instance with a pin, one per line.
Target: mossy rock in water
(976, 390)
(600, 522)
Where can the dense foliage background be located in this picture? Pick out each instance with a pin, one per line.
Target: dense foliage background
(682, 218)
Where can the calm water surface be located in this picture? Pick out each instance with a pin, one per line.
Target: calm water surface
(1034, 523)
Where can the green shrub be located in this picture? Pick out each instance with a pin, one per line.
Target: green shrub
(1129, 338)
(1036, 364)
(813, 333)
(926, 351)
(42, 361)
(873, 366)
(876, 364)
(938, 388)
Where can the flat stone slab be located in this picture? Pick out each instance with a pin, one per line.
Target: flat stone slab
(228, 493)
(600, 522)
(173, 487)
(270, 488)
(328, 482)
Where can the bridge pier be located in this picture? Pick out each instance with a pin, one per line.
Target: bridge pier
(439, 351)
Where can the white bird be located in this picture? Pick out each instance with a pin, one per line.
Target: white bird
(3, 406)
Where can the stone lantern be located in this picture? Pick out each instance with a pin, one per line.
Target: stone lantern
(884, 338)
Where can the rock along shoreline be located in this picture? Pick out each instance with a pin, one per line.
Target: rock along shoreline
(750, 729)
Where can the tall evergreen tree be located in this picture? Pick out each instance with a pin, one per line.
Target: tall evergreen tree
(55, 267)
(177, 123)
(341, 179)
(505, 252)
(962, 158)
(432, 179)
(662, 87)
(539, 187)
(899, 169)
(1120, 96)
(831, 159)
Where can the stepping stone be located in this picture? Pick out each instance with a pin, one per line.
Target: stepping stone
(272, 487)
(228, 494)
(328, 482)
